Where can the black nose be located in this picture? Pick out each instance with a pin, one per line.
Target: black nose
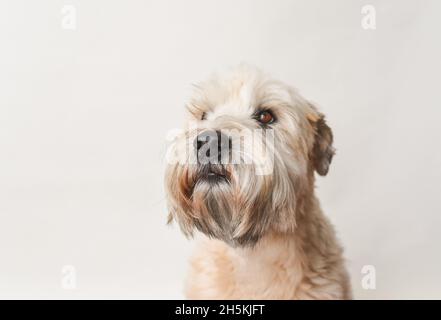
(212, 147)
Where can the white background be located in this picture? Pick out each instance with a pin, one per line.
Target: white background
(84, 115)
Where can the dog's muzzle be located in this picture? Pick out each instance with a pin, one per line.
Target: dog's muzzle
(213, 150)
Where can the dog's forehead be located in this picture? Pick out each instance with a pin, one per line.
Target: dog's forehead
(240, 99)
(243, 92)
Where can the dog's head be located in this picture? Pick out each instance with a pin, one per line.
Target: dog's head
(245, 163)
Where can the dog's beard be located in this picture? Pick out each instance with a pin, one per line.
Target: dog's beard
(235, 202)
(214, 204)
(231, 202)
(226, 207)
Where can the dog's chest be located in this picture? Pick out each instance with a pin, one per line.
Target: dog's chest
(268, 273)
(272, 270)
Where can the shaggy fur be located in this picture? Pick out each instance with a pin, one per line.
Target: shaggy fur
(265, 234)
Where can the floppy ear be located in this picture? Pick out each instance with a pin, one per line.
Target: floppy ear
(322, 151)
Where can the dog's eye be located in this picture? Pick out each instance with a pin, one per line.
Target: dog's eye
(265, 117)
(204, 116)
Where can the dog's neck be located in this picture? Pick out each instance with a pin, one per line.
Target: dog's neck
(287, 248)
(274, 257)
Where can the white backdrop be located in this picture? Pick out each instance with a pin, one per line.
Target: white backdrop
(84, 114)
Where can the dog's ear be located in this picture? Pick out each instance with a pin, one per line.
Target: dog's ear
(322, 151)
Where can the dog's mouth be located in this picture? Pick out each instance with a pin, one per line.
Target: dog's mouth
(212, 173)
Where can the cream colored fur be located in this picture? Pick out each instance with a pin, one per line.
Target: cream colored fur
(307, 264)
(266, 235)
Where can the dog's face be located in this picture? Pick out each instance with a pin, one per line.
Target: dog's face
(245, 164)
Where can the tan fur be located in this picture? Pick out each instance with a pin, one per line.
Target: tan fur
(303, 265)
(266, 236)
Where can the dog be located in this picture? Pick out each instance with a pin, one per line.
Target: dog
(263, 233)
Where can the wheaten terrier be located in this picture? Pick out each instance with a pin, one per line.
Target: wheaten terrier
(242, 173)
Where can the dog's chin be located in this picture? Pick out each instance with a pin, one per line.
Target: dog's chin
(211, 175)
(212, 179)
